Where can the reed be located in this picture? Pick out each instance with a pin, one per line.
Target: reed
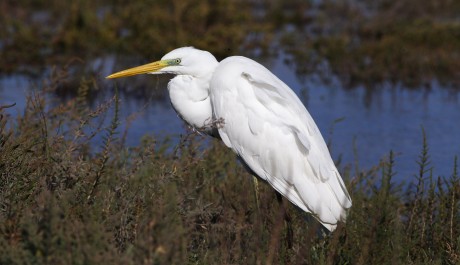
(66, 200)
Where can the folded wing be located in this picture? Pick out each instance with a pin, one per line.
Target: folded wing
(267, 125)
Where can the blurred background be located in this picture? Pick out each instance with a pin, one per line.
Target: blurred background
(371, 73)
(96, 171)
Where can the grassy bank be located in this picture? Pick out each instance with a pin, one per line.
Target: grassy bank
(65, 201)
(363, 42)
(39, 33)
(369, 42)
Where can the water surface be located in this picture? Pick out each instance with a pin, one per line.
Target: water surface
(370, 121)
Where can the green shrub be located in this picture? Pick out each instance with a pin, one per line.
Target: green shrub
(64, 201)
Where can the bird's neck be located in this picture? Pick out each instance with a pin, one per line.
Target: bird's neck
(190, 98)
(203, 82)
(193, 87)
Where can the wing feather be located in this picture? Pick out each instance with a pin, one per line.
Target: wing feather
(269, 128)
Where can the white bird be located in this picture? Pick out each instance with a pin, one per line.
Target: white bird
(262, 120)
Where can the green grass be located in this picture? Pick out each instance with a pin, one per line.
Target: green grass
(64, 201)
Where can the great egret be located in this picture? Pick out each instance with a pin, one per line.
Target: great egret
(262, 120)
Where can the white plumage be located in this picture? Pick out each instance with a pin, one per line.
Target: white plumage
(262, 120)
(266, 124)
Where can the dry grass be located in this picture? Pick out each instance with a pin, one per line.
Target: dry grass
(63, 201)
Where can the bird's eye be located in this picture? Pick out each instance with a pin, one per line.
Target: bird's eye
(177, 61)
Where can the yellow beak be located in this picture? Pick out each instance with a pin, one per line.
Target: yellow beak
(143, 69)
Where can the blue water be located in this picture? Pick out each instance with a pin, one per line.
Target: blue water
(372, 123)
(389, 118)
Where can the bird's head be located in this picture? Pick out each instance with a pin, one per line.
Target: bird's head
(181, 61)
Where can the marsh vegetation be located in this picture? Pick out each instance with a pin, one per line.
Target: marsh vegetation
(66, 198)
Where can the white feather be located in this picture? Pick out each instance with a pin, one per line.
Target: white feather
(266, 124)
(262, 120)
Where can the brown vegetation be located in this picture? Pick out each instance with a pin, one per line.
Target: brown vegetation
(65, 201)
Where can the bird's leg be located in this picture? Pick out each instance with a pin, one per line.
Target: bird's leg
(256, 191)
(255, 181)
(281, 217)
(287, 219)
